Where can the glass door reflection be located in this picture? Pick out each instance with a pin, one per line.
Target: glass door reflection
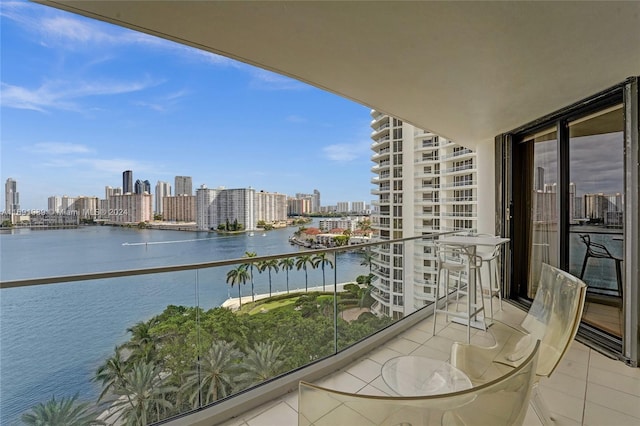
(596, 222)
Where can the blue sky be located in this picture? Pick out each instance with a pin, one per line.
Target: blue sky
(82, 101)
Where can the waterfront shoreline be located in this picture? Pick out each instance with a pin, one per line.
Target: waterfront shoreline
(232, 302)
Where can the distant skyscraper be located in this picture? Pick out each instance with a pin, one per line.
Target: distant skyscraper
(183, 185)
(358, 207)
(109, 191)
(538, 179)
(142, 187)
(11, 196)
(343, 206)
(315, 205)
(163, 189)
(54, 204)
(127, 182)
(216, 207)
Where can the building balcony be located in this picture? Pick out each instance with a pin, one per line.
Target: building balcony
(459, 200)
(383, 165)
(381, 296)
(584, 373)
(423, 174)
(380, 142)
(376, 180)
(427, 188)
(458, 169)
(382, 190)
(378, 119)
(458, 154)
(427, 160)
(460, 214)
(380, 131)
(460, 184)
(428, 201)
(587, 388)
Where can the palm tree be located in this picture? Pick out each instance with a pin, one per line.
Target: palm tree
(261, 363)
(250, 266)
(301, 263)
(321, 259)
(142, 344)
(141, 397)
(365, 225)
(65, 411)
(287, 264)
(214, 376)
(111, 373)
(238, 276)
(269, 265)
(367, 258)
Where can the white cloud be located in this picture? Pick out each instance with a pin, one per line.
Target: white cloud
(60, 94)
(54, 27)
(164, 103)
(58, 148)
(347, 152)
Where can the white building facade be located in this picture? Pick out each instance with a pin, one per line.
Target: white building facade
(163, 189)
(270, 207)
(130, 208)
(423, 184)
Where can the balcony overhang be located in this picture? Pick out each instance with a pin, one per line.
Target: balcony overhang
(464, 70)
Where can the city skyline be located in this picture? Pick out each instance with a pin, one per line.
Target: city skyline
(104, 104)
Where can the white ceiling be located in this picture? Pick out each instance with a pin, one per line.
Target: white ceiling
(465, 70)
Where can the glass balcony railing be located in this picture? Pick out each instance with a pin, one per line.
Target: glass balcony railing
(134, 360)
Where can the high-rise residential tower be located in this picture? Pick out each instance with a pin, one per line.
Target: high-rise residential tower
(163, 189)
(142, 187)
(315, 204)
(423, 184)
(183, 185)
(11, 196)
(127, 182)
(216, 207)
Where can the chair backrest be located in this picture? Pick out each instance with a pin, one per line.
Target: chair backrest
(554, 316)
(503, 401)
(455, 256)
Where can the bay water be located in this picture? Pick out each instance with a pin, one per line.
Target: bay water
(53, 337)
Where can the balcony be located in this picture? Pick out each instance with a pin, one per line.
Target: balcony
(461, 153)
(457, 169)
(427, 188)
(459, 184)
(587, 389)
(427, 159)
(275, 396)
(457, 200)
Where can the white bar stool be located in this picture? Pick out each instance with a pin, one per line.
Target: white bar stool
(489, 256)
(457, 258)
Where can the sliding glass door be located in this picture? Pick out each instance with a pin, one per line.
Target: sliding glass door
(596, 214)
(569, 197)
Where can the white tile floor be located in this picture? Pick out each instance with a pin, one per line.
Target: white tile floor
(586, 389)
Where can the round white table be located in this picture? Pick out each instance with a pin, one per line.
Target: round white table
(416, 376)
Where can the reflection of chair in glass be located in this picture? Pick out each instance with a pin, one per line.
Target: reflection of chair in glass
(600, 251)
(456, 259)
(553, 319)
(502, 401)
